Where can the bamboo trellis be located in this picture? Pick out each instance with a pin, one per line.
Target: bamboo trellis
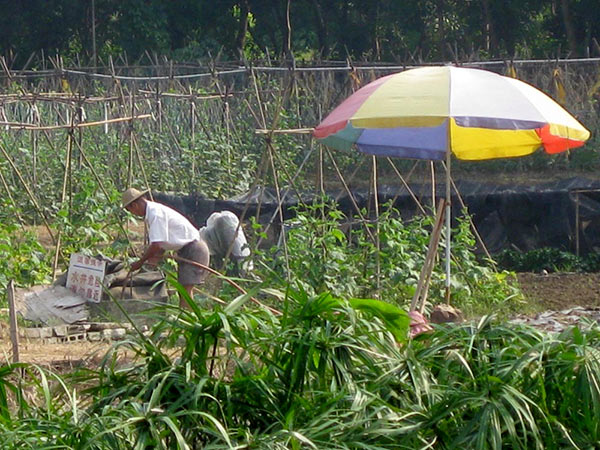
(170, 100)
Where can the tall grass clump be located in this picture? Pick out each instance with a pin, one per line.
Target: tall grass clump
(324, 373)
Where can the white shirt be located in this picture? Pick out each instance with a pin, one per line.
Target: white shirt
(167, 226)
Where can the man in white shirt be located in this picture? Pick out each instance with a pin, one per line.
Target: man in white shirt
(168, 230)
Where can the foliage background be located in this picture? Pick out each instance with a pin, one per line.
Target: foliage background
(376, 30)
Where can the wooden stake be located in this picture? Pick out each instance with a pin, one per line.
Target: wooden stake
(418, 300)
(14, 328)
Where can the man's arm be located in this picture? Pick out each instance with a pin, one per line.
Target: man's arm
(154, 250)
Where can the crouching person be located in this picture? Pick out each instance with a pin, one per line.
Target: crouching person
(169, 230)
(225, 239)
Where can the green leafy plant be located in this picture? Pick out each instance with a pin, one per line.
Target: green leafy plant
(22, 258)
(548, 259)
(325, 254)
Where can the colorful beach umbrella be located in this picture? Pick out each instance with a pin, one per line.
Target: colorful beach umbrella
(477, 114)
(433, 112)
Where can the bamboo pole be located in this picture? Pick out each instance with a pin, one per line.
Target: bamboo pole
(105, 118)
(377, 242)
(107, 196)
(320, 173)
(131, 144)
(14, 327)
(475, 232)
(34, 145)
(66, 177)
(279, 201)
(158, 109)
(577, 226)
(28, 190)
(272, 163)
(64, 97)
(227, 279)
(448, 221)
(26, 126)
(79, 132)
(285, 131)
(12, 200)
(187, 96)
(352, 200)
(140, 162)
(405, 184)
(193, 140)
(267, 228)
(433, 193)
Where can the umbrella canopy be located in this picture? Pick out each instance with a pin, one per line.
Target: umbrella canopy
(422, 113)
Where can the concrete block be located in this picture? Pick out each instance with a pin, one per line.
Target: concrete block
(75, 329)
(118, 334)
(94, 336)
(37, 333)
(74, 337)
(60, 330)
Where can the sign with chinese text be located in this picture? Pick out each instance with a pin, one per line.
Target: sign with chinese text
(85, 276)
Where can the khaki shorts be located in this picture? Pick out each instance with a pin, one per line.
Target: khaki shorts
(188, 274)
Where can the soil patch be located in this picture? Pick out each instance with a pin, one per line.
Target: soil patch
(58, 357)
(558, 291)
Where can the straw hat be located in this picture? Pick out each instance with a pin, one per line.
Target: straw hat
(131, 195)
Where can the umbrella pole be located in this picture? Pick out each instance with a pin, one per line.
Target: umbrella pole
(432, 171)
(448, 221)
(377, 244)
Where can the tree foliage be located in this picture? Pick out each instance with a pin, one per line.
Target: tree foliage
(420, 30)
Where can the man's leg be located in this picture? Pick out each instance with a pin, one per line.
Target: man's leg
(190, 275)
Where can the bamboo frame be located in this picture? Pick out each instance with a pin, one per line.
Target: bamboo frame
(125, 91)
(26, 126)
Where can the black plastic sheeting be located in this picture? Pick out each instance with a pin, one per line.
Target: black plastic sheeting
(519, 217)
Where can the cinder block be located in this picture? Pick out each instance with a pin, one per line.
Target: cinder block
(76, 329)
(75, 337)
(118, 333)
(60, 330)
(38, 333)
(94, 336)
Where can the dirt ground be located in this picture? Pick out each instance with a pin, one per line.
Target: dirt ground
(557, 291)
(57, 357)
